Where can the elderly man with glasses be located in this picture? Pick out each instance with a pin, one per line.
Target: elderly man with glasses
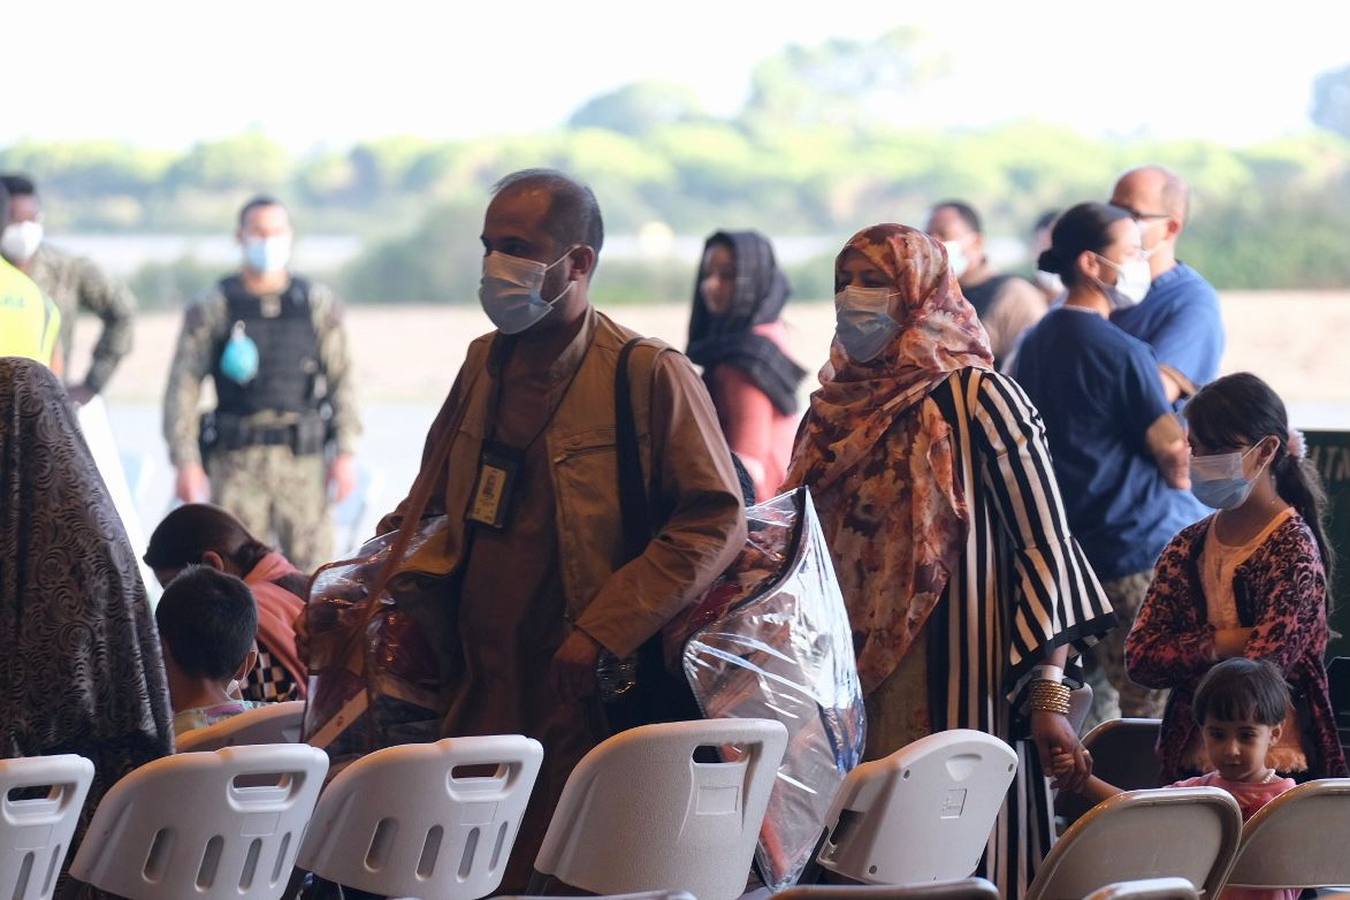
(1180, 315)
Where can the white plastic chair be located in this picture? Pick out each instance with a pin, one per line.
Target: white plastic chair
(271, 723)
(1301, 839)
(1148, 889)
(645, 895)
(400, 822)
(188, 826)
(640, 814)
(1189, 833)
(922, 814)
(962, 889)
(35, 834)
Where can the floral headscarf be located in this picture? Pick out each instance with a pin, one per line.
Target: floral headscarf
(879, 457)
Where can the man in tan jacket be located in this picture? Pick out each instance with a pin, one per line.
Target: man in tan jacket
(536, 541)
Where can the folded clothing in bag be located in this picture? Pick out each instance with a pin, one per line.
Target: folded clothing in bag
(377, 664)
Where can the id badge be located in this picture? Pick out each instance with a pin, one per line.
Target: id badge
(498, 467)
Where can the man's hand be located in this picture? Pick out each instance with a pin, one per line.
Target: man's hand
(342, 477)
(573, 672)
(81, 394)
(192, 485)
(1055, 740)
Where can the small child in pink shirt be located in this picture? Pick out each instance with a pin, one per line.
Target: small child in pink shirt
(1240, 706)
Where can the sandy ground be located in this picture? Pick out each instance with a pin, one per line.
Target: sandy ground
(410, 354)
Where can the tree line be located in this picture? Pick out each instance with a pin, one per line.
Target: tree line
(817, 149)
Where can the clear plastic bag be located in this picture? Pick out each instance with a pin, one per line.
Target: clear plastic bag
(378, 665)
(771, 639)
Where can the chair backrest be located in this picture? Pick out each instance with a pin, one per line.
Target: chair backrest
(205, 825)
(639, 813)
(35, 832)
(1189, 833)
(962, 889)
(1123, 754)
(271, 723)
(425, 820)
(1299, 839)
(924, 813)
(645, 895)
(1148, 889)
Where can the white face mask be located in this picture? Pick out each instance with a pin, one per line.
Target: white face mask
(20, 240)
(267, 255)
(510, 291)
(864, 326)
(1133, 280)
(957, 260)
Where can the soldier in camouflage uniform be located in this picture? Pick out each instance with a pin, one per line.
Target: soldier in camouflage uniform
(73, 283)
(285, 423)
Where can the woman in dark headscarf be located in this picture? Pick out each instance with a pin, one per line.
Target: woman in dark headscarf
(736, 335)
(967, 594)
(83, 672)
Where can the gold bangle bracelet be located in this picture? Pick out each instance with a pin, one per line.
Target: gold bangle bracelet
(1049, 696)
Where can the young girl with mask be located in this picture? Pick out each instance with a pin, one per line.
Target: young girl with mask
(1249, 581)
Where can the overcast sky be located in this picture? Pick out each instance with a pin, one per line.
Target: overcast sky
(167, 72)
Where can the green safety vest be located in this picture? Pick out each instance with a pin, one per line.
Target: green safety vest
(29, 322)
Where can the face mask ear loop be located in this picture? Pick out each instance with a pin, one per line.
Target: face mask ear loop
(1269, 465)
(571, 282)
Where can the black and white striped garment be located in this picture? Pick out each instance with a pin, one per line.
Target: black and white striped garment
(1022, 587)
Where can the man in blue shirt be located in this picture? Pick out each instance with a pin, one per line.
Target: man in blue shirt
(1179, 317)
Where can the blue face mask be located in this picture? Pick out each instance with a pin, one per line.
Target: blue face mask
(1219, 481)
(863, 321)
(239, 359)
(510, 292)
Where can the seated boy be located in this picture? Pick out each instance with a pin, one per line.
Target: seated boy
(207, 624)
(198, 533)
(1240, 707)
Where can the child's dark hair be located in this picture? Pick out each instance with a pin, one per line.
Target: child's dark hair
(208, 620)
(1242, 690)
(1241, 410)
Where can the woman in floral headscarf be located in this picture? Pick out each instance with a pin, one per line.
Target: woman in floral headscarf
(967, 594)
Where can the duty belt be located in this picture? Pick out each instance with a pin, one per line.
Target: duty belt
(227, 433)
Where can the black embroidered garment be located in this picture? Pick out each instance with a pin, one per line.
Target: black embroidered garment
(81, 670)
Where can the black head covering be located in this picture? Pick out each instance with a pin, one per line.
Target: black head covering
(760, 293)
